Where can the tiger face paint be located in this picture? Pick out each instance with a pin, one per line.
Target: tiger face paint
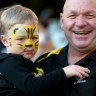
(24, 40)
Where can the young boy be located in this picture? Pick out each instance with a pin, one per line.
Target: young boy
(19, 33)
(18, 74)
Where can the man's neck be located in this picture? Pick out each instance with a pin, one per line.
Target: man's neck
(72, 59)
(75, 55)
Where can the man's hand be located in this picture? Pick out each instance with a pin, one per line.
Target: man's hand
(75, 70)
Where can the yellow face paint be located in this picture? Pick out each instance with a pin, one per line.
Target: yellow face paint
(26, 38)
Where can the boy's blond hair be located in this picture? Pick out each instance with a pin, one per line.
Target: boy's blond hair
(17, 14)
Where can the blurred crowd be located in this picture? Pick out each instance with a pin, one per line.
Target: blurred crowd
(2, 47)
(50, 34)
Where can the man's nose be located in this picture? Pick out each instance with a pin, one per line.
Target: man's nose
(80, 21)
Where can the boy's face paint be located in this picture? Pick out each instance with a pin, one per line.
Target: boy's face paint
(24, 40)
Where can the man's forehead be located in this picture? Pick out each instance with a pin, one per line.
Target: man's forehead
(69, 4)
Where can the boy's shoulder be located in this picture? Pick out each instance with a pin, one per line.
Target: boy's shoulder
(14, 59)
(6, 55)
(11, 56)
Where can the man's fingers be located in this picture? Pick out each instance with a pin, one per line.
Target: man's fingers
(75, 70)
(86, 70)
(79, 75)
(83, 71)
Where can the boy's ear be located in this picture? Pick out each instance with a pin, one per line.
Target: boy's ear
(4, 40)
(61, 21)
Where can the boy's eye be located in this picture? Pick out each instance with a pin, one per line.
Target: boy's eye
(34, 38)
(21, 39)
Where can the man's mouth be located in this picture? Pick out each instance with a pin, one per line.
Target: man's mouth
(81, 32)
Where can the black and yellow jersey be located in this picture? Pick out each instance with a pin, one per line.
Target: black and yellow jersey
(19, 76)
(74, 86)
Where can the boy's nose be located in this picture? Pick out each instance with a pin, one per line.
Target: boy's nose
(28, 45)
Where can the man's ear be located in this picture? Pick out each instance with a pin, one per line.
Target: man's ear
(61, 21)
(4, 40)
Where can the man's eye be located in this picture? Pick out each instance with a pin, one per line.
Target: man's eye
(72, 16)
(90, 16)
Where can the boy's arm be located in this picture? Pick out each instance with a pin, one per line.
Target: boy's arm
(16, 72)
(70, 71)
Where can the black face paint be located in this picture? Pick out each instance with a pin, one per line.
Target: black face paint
(20, 44)
(28, 45)
(15, 30)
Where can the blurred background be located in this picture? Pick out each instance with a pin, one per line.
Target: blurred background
(48, 12)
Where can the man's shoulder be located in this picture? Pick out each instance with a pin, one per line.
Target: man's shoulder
(49, 55)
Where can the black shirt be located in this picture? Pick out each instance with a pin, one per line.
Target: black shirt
(2, 47)
(17, 78)
(73, 86)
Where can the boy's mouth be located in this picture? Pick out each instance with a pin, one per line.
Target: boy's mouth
(29, 51)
